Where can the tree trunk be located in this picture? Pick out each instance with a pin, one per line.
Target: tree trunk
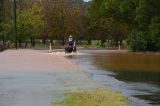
(3, 40)
(111, 42)
(44, 41)
(116, 42)
(89, 41)
(120, 42)
(51, 41)
(102, 41)
(33, 41)
(63, 41)
(25, 44)
(20, 42)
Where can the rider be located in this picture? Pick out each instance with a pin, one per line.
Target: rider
(71, 47)
(70, 41)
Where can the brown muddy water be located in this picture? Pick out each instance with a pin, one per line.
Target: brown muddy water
(136, 75)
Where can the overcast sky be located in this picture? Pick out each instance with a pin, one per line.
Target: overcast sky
(87, 0)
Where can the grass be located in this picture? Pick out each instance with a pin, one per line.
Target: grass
(94, 98)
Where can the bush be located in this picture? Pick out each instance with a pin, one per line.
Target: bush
(155, 32)
(140, 41)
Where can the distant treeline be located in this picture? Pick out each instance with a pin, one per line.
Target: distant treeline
(112, 21)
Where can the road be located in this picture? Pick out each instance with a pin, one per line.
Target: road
(36, 78)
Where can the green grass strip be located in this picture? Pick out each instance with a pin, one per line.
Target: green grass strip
(94, 98)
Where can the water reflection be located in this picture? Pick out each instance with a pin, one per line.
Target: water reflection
(147, 77)
(154, 98)
(140, 71)
(136, 69)
(128, 61)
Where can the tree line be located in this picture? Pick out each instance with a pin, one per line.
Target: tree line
(42, 19)
(136, 22)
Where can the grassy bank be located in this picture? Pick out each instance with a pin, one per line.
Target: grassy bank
(94, 98)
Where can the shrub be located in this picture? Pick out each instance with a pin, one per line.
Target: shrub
(155, 32)
(140, 41)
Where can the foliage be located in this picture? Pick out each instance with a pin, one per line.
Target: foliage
(29, 22)
(106, 21)
(7, 30)
(5, 21)
(155, 32)
(139, 41)
(147, 19)
(114, 20)
(53, 19)
(118, 19)
(63, 18)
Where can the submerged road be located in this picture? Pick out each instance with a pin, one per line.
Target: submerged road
(35, 78)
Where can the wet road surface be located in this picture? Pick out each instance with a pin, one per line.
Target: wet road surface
(36, 78)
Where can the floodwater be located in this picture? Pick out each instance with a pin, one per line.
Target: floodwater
(36, 78)
(136, 75)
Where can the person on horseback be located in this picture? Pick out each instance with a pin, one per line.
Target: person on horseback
(70, 45)
(70, 41)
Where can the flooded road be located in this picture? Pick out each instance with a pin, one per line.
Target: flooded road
(136, 75)
(36, 78)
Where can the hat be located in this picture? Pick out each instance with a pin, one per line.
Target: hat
(70, 36)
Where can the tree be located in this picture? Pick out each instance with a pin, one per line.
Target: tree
(63, 18)
(29, 22)
(106, 20)
(140, 41)
(54, 15)
(5, 21)
(127, 17)
(155, 32)
(147, 20)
